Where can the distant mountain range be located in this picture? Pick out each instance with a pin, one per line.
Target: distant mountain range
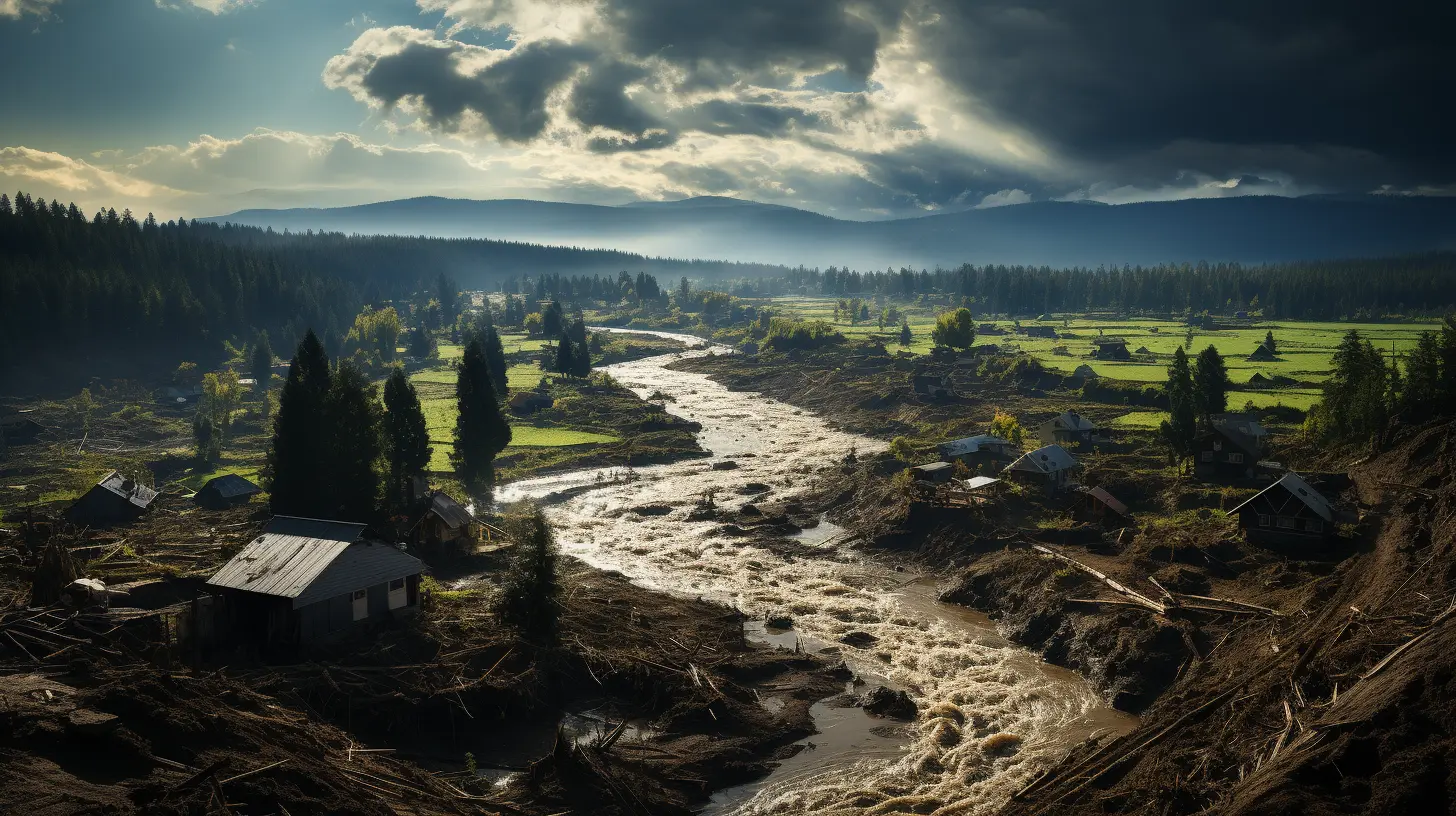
(1249, 229)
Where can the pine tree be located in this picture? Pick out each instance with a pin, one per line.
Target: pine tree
(353, 420)
(553, 321)
(581, 365)
(1269, 342)
(1210, 383)
(1179, 430)
(1421, 398)
(297, 457)
(261, 363)
(528, 598)
(406, 438)
(480, 430)
(905, 336)
(495, 360)
(565, 356)
(448, 293)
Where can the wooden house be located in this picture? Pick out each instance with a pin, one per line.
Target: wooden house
(1068, 428)
(444, 526)
(1047, 332)
(310, 580)
(936, 472)
(1094, 504)
(1229, 447)
(1051, 468)
(116, 499)
(228, 490)
(977, 451)
(1290, 511)
(1110, 348)
(1261, 354)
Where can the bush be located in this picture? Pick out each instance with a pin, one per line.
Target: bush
(787, 333)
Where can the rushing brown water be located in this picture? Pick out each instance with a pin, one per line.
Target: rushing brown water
(991, 714)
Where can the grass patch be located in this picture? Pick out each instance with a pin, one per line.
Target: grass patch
(1140, 420)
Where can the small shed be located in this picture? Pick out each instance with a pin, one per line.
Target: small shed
(444, 526)
(1110, 348)
(1290, 511)
(308, 580)
(1096, 505)
(228, 490)
(1143, 350)
(1258, 380)
(1261, 354)
(1066, 428)
(116, 499)
(1040, 331)
(1050, 467)
(976, 450)
(1086, 372)
(933, 472)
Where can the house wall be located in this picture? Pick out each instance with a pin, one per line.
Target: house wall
(1293, 511)
(335, 616)
(100, 506)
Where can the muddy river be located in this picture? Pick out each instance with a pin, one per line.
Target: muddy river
(991, 716)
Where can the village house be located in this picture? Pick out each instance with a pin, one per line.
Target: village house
(1261, 354)
(1048, 332)
(933, 472)
(1110, 348)
(444, 527)
(976, 451)
(1067, 428)
(1290, 511)
(308, 580)
(116, 499)
(1229, 447)
(228, 490)
(1096, 505)
(1051, 468)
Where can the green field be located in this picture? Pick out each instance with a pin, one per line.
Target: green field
(1304, 354)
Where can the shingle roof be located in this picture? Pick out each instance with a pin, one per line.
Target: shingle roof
(450, 511)
(129, 489)
(970, 444)
(978, 482)
(1301, 490)
(1071, 421)
(932, 467)
(309, 560)
(1048, 459)
(1107, 499)
(231, 485)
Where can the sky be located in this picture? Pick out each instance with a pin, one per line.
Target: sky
(859, 109)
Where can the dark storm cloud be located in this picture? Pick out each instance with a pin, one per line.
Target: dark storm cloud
(724, 117)
(510, 95)
(600, 99)
(1106, 81)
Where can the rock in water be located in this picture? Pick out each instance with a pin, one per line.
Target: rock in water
(883, 702)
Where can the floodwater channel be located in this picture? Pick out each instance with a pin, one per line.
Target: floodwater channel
(992, 715)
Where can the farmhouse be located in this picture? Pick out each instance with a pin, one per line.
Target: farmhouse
(1261, 354)
(1049, 467)
(1039, 331)
(1290, 511)
(229, 490)
(116, 499)
(1110, 348)
(444, 526)
(308, 580)
(975, 450)
(1096, 505)
(1067, 428)
(1228, 448)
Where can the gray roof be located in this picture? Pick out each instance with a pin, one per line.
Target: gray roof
(932, 467)
(1070, 421)
(129, 489)
(286, 562)
(978, 482)
(231, 485)
(970, 444)
(1301, 490)
(1107, 499)
(448, 510)
(1048, 459)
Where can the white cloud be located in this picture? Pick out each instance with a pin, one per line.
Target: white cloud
(1004, 198)
(19, 8)
(213, 6)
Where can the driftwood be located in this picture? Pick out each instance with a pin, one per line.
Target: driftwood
(1137, 597)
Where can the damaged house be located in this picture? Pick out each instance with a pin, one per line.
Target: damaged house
(1228, 448)
(444, 527)
(1051, 468)
(309, 580)
(116, 499)
(1290, 511)
(1067, 428)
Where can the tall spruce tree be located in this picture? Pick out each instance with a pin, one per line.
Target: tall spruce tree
(905, 336)
(406, 438)
(528, 598)
(553, 320)
(565, 356)
(261, 364)
(353, 420)
(1354, 406)
(495, 360)
(1179, 430)
(297, 458)
(481, 431)
(1421, 398)
(1210, 383)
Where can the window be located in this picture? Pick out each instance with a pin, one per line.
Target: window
(1314, 526)
(1217, 445)
(361, 604)
(1208, 456)
(1286, 523)
(1263, 519)
(1236, 458)
(398, 595)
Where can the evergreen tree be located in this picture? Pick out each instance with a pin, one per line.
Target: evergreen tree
(1446, 346)
(1179, 430)
(261, 365)
(553, 321)
(1269, 342)
(353, 421)
(565, 356)
(495, 359)
(905, 336)
(1421, 398)
(447, 292)
(297, 458)
(1354, 406)
(205, 435)
(528, 601)
(1210, 383)
(406, 438)
(480, 430)
(581, 364)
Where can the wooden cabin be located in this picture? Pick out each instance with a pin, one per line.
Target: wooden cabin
(1050, 468)
(228, 490)
(935, 472)
(444, 526)
(1228, 449)
(1110, 348)
(1096, 505)
(308, 580)
(977, 451)
(1068, 428)
(1261, 354)
(932, 386)
(1290, 511)
(116, 499)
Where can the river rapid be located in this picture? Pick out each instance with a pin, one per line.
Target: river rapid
(991, 715)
